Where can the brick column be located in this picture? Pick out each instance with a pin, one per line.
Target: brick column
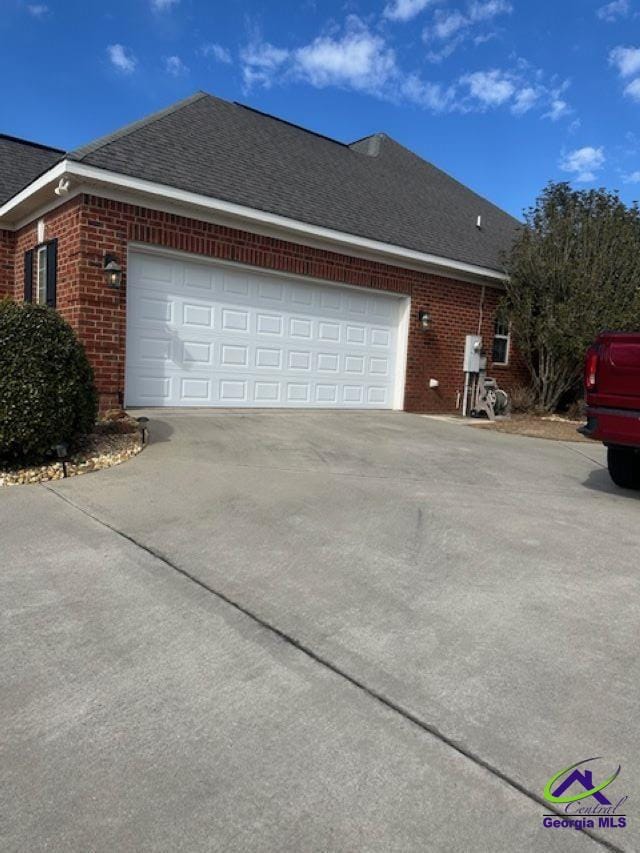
(7, 249)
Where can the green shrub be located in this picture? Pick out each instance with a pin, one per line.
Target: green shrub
(47, 394)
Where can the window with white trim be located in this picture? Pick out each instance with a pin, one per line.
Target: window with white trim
(41, 274)
(501, 341)
(40, 283)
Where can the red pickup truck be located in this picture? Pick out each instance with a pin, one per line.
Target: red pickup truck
(612, 383)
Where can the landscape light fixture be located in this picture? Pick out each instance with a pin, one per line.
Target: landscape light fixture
(62, 451)
(144, 427)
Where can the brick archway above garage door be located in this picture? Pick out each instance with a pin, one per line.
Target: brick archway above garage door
(203, 333)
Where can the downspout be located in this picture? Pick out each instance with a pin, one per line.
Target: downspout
(481, 310)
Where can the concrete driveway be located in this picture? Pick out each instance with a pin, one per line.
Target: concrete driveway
(317, 631)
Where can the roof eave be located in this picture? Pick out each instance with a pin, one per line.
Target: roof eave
(39, 194)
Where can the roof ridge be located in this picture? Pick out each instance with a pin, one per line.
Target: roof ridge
(102, 141)
(291, 124)
(31, 143)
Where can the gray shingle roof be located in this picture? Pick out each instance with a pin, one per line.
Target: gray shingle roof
(372, 188)
(22, 162)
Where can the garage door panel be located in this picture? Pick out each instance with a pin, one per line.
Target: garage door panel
(268, 358)
(327, 362)
(356, 335)
(202, 334)
(194, 389)
(197, 389)
(148, 308)
(377, 395)
(198, 316)
(154, 389)
(235, 284)
(267, 393)
(379, 366)
(197, 352)
(198, 277)
(269, 324)
(155, 273)
(234, 320)
(380, 338)
(301, 328)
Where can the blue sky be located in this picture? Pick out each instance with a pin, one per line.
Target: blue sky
(502, 94)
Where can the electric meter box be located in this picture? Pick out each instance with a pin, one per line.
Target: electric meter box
(472, 350)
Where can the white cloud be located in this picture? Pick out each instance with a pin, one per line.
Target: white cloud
(175, 66)
(485, 11)
(358, 59)
(633, 89)
(122, 58)
(632, 178)
(482, 38)
(626, 60)
(261, 63)
(490, 88)
(525, 100)
(217, 51)
(404, 10)
(583, 163)
(430, 96)
(476, 92)
(445, 51)
(163, 5)
(38, 10)
(453, 27)
(612, 11)
(559, 108)
(447, 24)
(533, 92)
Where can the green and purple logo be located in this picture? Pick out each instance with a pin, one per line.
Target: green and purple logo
(579, 791)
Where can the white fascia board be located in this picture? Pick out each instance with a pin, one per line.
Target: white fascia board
(248, 215)
(40, 183)
(43, 209)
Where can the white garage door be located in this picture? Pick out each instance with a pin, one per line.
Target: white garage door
(204, 334)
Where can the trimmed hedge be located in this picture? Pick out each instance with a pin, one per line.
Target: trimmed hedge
(47, 392)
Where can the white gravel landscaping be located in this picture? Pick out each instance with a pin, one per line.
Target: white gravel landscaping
(101, 451)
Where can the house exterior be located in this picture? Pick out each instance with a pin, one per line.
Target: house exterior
(262, 265)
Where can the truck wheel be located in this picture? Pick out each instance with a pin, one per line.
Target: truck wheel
(624, 467)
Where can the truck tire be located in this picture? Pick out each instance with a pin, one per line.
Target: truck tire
(624, 467)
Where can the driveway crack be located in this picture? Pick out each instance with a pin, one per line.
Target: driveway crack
(386, 701)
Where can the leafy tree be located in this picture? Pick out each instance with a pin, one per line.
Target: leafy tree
(574, 270)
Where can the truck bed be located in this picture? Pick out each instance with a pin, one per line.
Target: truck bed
(613, 391)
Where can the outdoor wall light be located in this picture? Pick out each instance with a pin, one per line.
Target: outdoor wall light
(113, 271)
(425, 320)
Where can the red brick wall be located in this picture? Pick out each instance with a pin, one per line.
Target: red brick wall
(63, 223)
(88, 227)
(7, 249)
